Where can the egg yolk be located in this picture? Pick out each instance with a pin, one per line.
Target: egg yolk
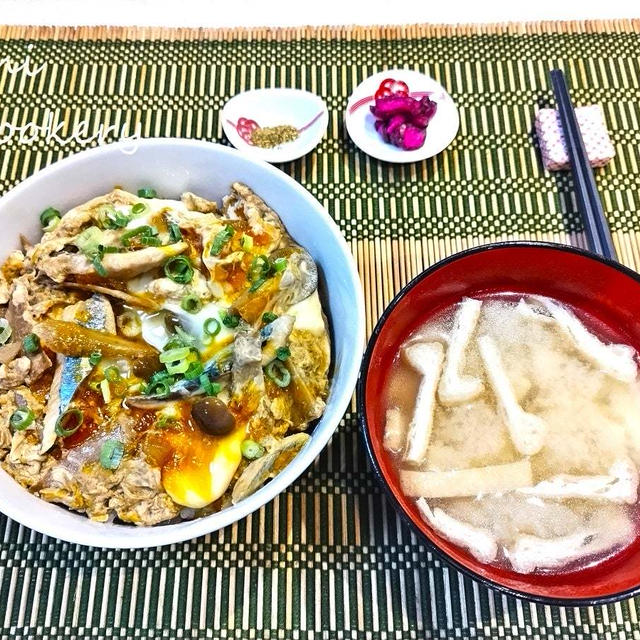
(196, 468)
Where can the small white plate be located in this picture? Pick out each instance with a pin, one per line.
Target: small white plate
(360, 121)
(272, 107)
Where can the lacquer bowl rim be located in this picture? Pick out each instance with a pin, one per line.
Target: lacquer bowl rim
(384, 481)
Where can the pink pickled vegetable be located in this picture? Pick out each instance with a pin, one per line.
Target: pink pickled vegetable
(427, 111)
(390, 129)
(402, 120)
(412, 137)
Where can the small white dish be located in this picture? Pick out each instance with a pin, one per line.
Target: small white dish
(360, 121)
(270, 108)
(173, 166)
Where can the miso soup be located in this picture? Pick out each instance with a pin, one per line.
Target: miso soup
(516, 428)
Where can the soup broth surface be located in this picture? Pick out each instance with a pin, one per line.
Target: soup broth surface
(590, 420)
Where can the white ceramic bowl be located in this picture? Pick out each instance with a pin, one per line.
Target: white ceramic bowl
(172, 166)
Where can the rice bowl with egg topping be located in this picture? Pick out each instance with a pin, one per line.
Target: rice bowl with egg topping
(164, 357)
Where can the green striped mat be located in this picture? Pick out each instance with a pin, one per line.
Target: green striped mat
(328, 559)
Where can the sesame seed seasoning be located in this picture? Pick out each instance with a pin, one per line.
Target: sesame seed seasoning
(269, 137)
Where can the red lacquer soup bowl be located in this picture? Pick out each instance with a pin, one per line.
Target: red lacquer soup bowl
(603, 293)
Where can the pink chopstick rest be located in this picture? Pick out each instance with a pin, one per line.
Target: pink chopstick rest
(594, 133)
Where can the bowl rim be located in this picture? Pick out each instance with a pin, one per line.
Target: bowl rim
(368, 440)
(160, 535)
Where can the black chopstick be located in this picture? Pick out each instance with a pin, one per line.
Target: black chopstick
(589, 203)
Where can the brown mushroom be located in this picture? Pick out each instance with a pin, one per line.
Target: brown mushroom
(213, 416)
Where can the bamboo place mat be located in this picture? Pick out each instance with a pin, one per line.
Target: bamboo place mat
(328, 559)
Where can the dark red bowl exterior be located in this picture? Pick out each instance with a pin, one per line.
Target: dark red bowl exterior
(603, 292)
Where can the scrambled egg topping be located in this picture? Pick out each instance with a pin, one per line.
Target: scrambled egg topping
(160, 354)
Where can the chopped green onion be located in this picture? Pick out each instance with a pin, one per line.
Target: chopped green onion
(191, 303)
(5, 330)
(69, 422)
(52, 225)
(144, 231)
(147, 193)
(210, 388)
(139, 208)
(21, 418)
(164, 421)
(282, 353)
(111, 454)
(262, 269)
(205, 383)
(105, 389)
(149, 241)
(251, 450)
(268, 317)
(88, 241)
(278, 373)
(179, 269)
(212, 327)
(257, 284)
(259, 269)
(99, 267)
(159, 387)
(246, 242)
(121, 220)
(221, 238)
(95, 358)
(171, 355)
(194, 371)
(110, 218)
(280, 264)
(230, 320)
(48, 216)
(177, 367)
(31, 344)
(174, 232)
(112, 374)
(160, 375)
